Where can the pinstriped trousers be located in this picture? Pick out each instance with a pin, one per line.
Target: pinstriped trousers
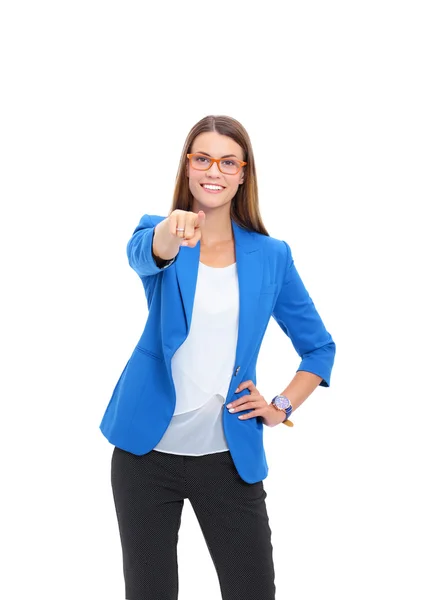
(149, 492)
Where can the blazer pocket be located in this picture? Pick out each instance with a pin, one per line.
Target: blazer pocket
(149, 353)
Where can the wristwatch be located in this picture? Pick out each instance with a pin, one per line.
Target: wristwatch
(282, 403)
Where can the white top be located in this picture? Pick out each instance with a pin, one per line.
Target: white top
(203, 365)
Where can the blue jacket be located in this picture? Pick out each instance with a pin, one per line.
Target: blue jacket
(144, 398)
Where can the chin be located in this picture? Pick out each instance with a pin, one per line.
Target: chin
(208, 201)
(210, 205)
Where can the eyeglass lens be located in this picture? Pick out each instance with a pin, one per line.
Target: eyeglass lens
(228, 166)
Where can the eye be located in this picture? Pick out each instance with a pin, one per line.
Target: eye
(229, 163)
(200, 159)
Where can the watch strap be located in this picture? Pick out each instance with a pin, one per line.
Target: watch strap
(287, 410)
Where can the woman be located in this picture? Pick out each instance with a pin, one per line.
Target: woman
(186, 417)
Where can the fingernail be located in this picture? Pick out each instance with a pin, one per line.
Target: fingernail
(184, 244)
(229, 406)
(237, 390)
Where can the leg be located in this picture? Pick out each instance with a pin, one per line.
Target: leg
(148, 501)
(233, 518)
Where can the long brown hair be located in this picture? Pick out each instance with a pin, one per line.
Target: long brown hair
(245, 209)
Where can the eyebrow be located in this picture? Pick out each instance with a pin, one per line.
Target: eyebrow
(225, 156)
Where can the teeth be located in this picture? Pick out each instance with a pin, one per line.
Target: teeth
(212, 187)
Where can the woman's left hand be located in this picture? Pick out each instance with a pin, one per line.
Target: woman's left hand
(268, 413)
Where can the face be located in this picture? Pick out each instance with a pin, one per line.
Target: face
(217, 146)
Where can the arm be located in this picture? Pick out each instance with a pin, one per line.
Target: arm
(297, 316)
(300, 388)
(152, 248)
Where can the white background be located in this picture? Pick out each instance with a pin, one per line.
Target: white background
(341, 101)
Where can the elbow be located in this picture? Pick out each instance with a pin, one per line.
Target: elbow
(320, 361)
(132, 254)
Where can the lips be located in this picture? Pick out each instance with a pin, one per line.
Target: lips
(215, 184)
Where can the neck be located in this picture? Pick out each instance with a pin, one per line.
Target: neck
(218, 225)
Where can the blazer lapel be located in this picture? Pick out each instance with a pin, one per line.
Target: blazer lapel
(187, 269)
(250, 275)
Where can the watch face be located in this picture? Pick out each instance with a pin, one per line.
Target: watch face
(282, 402)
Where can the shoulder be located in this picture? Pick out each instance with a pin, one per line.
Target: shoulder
(274, 246)
(149, 221)
(274, 252)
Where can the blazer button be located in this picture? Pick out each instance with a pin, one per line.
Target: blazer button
(236, 371)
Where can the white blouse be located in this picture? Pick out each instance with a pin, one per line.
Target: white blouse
(202, 366)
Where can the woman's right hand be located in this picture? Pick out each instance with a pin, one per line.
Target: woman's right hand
(190, 222)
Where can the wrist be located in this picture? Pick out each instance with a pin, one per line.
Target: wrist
(281, 415)
(165, 246)
(284, 407)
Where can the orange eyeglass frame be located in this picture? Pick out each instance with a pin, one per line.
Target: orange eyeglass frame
(215, 160)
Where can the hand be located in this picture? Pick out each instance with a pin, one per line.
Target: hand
(268, 413)
(190, 222)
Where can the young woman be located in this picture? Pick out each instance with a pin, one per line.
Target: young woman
(186, 417)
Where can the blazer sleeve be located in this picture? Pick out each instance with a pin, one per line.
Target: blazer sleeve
(297, 316)
(140, 249)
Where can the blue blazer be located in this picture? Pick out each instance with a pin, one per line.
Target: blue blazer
(143, 401)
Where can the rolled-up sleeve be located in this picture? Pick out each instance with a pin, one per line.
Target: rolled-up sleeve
(140, 249)
(297, 316)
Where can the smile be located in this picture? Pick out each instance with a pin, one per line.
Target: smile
(212, 187)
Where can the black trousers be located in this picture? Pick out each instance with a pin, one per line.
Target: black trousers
(149, 493)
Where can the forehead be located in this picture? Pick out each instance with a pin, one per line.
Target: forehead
(216, 145)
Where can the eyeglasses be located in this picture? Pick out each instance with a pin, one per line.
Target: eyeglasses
(228, 166)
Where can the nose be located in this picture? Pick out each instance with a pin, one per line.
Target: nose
(214, 170)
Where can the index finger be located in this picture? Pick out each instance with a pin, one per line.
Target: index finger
(246, 384)
(200, 219)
